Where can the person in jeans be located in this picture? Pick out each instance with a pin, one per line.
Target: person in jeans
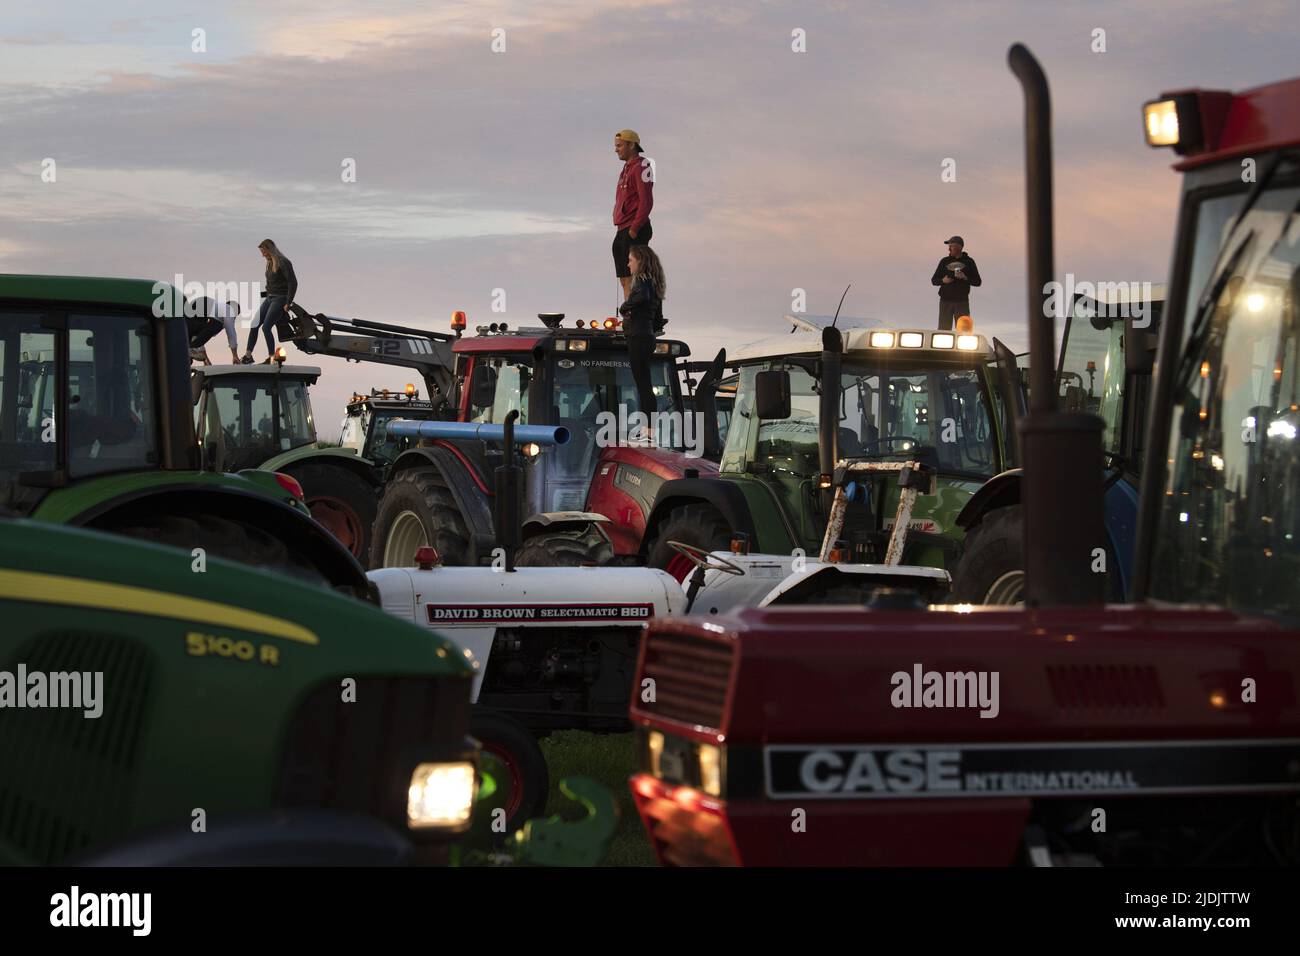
(642, 321)
(281, 287)
(229, 315)
(633, 198)
(954, 276)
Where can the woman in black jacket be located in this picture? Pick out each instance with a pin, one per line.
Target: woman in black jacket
(643, 319)
(281, 287)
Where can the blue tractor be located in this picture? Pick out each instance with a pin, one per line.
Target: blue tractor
(1106, 358)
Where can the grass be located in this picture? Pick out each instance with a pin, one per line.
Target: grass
(609, 759)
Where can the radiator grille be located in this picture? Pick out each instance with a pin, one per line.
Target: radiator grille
(1106, 687)
(66, 780)
(359, 755)
(691, 677)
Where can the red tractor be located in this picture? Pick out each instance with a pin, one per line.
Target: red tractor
(1066, 731)
(585, 501)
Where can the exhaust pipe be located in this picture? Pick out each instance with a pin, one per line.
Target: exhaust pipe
(1061, 451)
(828, 452)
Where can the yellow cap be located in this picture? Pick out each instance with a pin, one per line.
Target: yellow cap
(629, 135)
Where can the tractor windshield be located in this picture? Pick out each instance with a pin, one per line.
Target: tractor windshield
(109, 389)
(1229, 529)
(884, 412)
(259, 416)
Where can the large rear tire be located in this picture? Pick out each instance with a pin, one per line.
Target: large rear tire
(701, 525)
(223, 538)
(342, 502)
(517, 759)
(991, 569)
(566, 549)
(417, 510)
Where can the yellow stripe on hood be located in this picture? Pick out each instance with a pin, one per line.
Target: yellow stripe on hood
(80, 592)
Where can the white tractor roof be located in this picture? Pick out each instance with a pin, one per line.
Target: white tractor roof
(804, 339)
(292, 371)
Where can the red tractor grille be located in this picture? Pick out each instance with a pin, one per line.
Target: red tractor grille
(691, 678)
(1113, 687)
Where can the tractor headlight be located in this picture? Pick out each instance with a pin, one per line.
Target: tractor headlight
(531, 449)
(711, 770)
(1161, 120)
(440, 795)
(911, 340)
(882, 340)
(941, 340)
(968, 342)
(577, 345)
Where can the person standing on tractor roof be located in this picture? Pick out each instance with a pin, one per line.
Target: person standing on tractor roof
(954, 276)
(281, 287)
(643, 319)
(633, 199)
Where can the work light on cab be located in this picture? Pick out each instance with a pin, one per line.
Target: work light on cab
(911, 340)
(882, 340)
(942, 340)
(440, 795)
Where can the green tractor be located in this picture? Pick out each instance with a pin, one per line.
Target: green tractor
(260, 416)
(810, 401)
(97, 430)
(161, 710)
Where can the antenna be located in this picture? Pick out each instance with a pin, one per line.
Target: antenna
(841, 305)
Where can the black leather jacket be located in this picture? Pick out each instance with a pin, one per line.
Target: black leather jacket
(643, 311)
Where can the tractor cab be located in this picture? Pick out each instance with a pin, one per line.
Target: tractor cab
(578, 376)
(941, 398)
(248, 414)
(1221, 521)
(365, 424)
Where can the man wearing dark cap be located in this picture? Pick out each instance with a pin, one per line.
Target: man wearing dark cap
(954, 276)
(632, 201)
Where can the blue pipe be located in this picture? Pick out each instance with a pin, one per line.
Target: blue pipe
(541, 434)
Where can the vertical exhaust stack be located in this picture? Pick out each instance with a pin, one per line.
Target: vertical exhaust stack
(828, 444)
(1061, 450)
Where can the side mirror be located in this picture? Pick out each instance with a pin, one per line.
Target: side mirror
(772, 394)
(1139, 348)
(483, 386)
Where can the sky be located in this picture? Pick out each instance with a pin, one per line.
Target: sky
(481, 132)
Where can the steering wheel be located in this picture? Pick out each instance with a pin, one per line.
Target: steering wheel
(705, 559)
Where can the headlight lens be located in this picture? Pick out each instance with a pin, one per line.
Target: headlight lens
(440, 795)
(711, 770)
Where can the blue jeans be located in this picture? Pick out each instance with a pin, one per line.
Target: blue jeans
(270, 313)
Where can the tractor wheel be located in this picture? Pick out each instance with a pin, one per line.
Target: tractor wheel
(511, 754)
(342, 502)
(415, 511)
(699, 524)
(992, 565)
(566, 549)
(223, 538)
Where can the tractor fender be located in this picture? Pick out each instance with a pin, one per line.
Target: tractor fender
(363, 468)
(559, 521)
(723, 495)
(474, 504)
(1000, 491)
(292, 525)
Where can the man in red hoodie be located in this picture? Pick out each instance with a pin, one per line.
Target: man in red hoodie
(632, 202)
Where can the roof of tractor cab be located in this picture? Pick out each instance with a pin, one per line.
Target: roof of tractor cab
(526, 339)
(101, 291)
(263, 371)
(1240, 124)
(858, 344)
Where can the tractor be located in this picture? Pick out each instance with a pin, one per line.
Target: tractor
(1096, 374)
(579, 499)
(260, 416)
(944, 398)
(97, 430)
(1159, 732)
(242, 718)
